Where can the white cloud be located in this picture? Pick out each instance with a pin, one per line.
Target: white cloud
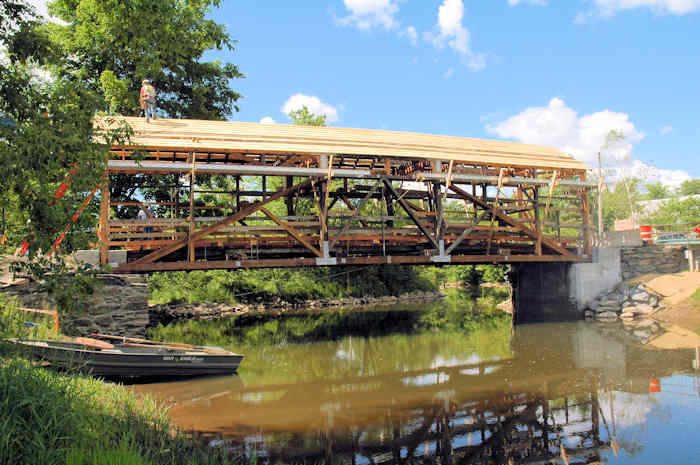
(583, 137)
(650, 174)
(531, 2)
(267, 120)
(448, 74)
(610, 7)
(42, 10)
(666, 130)
(453, 34)
(412, 35)
(366, 14)
(313, 103)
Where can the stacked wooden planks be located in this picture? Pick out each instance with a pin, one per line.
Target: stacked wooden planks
(200, 135)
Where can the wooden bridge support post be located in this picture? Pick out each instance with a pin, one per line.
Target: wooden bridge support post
(538, 221)
(104, 221)
(587, 229)
(190, 242)
(289, 200)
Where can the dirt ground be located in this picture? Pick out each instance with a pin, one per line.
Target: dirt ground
(681, 317)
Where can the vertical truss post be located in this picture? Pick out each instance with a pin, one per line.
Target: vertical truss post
(538, 221)
(586, 214)
(289, 200)
(190, 242)
(105, 208)
(238, 193)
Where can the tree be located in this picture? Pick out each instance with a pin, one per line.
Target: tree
(691, 187)
(48, 134)
(621, 202)
(657, 191)
(112, 45)
(304, 117)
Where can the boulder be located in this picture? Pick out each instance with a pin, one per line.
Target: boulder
(644, 309)
(608, 308)
(627, 316)
(640, 296)
(607, 316)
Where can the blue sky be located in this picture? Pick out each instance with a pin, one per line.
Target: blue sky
(553, 72)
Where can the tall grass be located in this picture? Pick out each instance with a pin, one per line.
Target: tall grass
(48, 417)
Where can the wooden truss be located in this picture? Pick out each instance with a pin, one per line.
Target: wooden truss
(341, 209)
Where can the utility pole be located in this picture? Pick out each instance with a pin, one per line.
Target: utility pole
(600, 199)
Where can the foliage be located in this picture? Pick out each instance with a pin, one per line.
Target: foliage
(13, 324)
(620, 203)
(657, 191)
(112, 45)
(462, 311)
(291, 285)
(304, 117)
(55, 418)
(675, 210)
(465, 274)
(70, 288)
(690, 187)
(48, 137)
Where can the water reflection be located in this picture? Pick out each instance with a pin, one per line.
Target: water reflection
(566, 393)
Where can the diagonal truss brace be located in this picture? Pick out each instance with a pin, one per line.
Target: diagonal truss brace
(292, 232)
(466, 232)
(355, 212)
(160, 253)
(510, 221)
(410, 212)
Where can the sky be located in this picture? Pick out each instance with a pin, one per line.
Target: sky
(562, 73)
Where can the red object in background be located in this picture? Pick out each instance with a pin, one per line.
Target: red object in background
(645, 233)
(697, 231)
(654, 385)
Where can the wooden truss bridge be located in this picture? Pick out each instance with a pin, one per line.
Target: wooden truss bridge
(223, 195)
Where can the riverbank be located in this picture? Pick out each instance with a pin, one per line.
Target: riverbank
(66, 418)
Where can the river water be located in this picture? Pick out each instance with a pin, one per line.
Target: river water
(432, 384)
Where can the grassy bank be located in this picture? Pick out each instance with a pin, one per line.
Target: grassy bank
(48, 417)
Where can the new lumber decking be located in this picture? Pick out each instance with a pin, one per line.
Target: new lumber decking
(197, 135)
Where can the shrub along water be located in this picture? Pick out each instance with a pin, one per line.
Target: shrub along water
(291, 285)
(463, 310)
(48, 417)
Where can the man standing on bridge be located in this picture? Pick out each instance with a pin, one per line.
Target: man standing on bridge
(147, 98)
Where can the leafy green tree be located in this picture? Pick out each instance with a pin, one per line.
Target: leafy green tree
(691, 187)
(620, 203)
(47, 136)
(674, 211)
(304, 117)
(112, 45)
(657, 191)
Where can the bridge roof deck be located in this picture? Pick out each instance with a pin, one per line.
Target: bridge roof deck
(181, 136)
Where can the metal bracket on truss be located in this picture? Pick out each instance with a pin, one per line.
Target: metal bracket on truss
(441, 258)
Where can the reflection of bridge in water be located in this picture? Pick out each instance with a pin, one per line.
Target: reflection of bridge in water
(473, 413)
(540, 406)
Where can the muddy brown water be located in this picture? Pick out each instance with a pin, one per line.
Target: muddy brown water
(576, 393)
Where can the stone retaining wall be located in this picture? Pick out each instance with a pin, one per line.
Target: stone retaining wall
(637, 261)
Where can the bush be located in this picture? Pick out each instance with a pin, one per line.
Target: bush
(291, 285)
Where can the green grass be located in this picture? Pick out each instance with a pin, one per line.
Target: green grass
(47, 417)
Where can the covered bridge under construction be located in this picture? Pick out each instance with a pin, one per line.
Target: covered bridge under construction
(224, 195)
